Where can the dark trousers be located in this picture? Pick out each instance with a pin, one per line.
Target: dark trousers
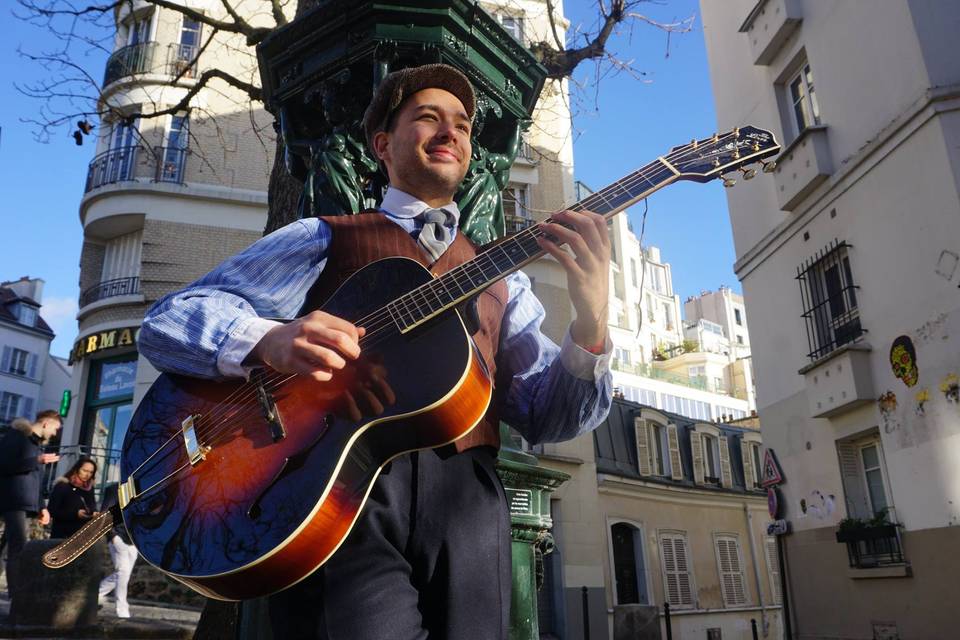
(14, 537)
(429, 557)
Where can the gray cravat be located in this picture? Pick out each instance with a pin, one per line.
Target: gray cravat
(434, 237)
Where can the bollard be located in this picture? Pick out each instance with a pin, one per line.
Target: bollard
(666, 620)
(753, 628)
(586, 614)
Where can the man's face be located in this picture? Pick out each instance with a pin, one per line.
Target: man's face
(49, 428)
(427, 151)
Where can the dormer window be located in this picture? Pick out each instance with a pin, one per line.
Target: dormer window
(26, 314)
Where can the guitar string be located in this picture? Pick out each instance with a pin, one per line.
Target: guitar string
(218, 418)
(228, 412)
(635, 177)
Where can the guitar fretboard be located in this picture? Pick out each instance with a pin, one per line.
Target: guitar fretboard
(472, 277)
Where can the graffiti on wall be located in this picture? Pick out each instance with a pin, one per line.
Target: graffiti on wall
(818, 505)
(903, 360)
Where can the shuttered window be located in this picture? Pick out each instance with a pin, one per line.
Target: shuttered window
(730, 568)
(673, 444)
(773, 570)
(677, 575)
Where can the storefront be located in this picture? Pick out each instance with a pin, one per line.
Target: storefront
(108, 364)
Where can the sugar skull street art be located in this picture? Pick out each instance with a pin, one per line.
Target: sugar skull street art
(903, 360)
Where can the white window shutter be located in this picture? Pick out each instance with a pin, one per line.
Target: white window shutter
(696, 447)
(731, 571)
(5, 360)
(32, 366)
(673, 443)
(726, 478)
(773, 568)
(746, 453)
(643, 445)
(851, 471)
(678, 585)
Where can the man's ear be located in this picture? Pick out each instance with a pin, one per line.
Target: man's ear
(381, 140)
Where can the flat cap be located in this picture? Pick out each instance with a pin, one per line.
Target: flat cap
(400, 85)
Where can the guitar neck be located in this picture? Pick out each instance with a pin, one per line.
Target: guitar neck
(472, 277)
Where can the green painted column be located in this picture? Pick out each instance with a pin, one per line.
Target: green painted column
(528, 488)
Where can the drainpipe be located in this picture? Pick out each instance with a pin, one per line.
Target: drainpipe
(764, 624)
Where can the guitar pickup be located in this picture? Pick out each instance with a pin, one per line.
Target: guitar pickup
(195, 451)
(270, 413)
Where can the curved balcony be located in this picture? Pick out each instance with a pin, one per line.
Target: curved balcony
(147, 57)
(131, 60)
(115, 165)
(110, 288)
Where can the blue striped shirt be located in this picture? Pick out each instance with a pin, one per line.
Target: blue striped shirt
(208, 328)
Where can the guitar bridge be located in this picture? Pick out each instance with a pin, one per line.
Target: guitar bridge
(195, 451)
(270, 413)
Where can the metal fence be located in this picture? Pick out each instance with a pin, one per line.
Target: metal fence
(110, 288)
(115, 165)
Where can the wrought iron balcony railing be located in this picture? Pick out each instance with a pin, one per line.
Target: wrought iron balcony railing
(181, 60)
(110, 288)
(114, 165)
(171, 164)
(874, 546)
(131, 60)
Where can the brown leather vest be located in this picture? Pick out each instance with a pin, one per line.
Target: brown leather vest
(360, 239)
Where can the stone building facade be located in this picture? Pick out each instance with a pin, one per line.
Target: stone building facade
(848, 255)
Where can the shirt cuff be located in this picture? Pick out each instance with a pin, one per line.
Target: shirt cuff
(582, 364)
(240, 343)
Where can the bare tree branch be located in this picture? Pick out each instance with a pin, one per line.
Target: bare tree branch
(278, 15)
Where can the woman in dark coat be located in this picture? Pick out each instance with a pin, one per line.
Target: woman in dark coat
(72, 503)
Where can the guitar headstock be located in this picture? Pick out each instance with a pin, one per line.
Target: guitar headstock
(709, 158)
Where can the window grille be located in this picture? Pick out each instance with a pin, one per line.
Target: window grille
(830, 307)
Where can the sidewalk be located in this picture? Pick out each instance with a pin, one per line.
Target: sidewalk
(146, 621)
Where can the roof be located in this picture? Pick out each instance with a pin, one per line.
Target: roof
(615, 446)
(8, 298)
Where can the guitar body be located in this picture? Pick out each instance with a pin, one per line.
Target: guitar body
(256, 515)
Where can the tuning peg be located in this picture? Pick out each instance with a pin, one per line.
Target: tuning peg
(728, 182)
(768, 167)
(748, 173)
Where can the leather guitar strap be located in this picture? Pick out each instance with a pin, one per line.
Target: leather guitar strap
(71, 548)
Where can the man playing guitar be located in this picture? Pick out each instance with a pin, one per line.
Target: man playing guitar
(429, 555)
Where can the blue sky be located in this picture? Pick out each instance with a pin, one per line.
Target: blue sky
(634, 122)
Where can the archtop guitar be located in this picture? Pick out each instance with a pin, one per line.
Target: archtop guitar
(243, 488)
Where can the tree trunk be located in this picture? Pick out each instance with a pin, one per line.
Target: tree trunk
(283, 193)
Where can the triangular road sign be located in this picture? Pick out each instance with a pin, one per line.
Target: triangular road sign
(771, 475)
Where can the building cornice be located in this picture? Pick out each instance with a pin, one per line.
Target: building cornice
(631, 488)
(932, 102)
(210, 192)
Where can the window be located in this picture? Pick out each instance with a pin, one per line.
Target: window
(773, 569)
(864, 476)
(750, 453)
(739, 339)
(668, 315)
(730, 568)
(677, 575)
(140, 29)
(711, 467)
(119, 163)
(873, 476)
(829, 300)
(13, 405)
(187, 49)
(803, 99)
(629, 575)
(633, 272)
(512, 24)
(27, 314)
(622, 355)
(176, 142)
(515, 210)
(658, 448)
(18, 362)
(737, 317)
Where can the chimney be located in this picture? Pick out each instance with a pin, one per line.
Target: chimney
(26, 287)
